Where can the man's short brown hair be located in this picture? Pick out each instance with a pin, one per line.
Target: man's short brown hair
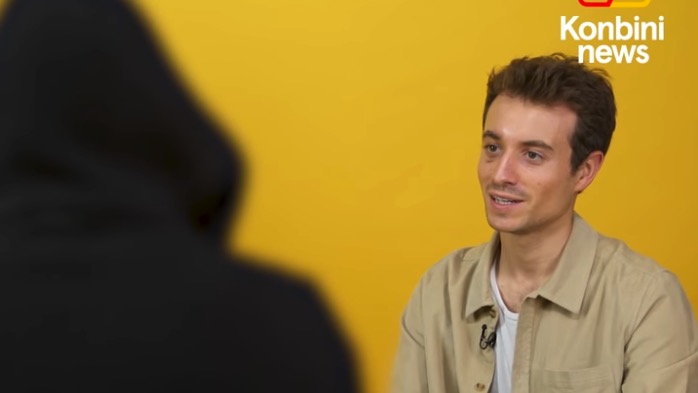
(561, 79)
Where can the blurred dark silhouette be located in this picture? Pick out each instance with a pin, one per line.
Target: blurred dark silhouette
(115, 194)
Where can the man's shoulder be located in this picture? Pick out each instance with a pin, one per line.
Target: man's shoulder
(457, 265)
(619, 256)
(632, 273)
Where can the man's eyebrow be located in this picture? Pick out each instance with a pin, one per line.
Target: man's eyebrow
(490, 134)
(537, 143)
(532, 143)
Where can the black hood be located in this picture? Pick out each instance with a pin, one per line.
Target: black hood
(95, 131)
(114, 193)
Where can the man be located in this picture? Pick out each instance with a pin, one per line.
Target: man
(115, 197)
(548, 305)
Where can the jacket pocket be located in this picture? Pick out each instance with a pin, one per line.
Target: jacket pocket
(597, 379)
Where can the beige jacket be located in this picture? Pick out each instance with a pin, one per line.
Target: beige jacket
(608, 320)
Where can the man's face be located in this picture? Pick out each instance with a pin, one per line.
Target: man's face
(524, 169)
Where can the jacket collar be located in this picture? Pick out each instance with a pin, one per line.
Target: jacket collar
(566, 287)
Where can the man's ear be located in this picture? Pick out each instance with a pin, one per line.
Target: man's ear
(587, 171)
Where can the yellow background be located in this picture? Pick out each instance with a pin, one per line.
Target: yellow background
(361, 122)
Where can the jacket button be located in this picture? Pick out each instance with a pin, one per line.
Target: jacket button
(479, 387)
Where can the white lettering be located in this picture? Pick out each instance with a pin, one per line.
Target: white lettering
(642, 56)
(620, 25)
(621, 30)
(567, 27)
(649, 26)
(608, 28)
(603, 54)
(618, 30)
(587, 36)
(636, 27)
(624, 53)
(586, 49)
(661, 28)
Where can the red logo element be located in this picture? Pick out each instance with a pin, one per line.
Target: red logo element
(615, 3)
(586, 3)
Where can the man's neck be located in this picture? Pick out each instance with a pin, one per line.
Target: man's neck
(531, 258)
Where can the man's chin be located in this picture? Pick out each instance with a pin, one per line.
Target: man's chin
(505, 225)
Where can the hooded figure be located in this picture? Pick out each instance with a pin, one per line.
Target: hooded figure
(114, 199)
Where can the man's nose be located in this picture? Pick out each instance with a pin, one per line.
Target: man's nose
(506, 170)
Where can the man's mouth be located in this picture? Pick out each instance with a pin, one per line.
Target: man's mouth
(504, 201)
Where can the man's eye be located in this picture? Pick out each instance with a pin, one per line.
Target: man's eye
(491, 148)
(533, 155)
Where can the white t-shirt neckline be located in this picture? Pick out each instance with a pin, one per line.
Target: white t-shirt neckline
(506, 339)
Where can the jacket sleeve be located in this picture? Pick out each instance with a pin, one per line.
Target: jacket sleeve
(410, 370)
(662, 352)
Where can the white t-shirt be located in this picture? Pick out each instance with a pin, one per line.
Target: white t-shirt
(506, 341)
